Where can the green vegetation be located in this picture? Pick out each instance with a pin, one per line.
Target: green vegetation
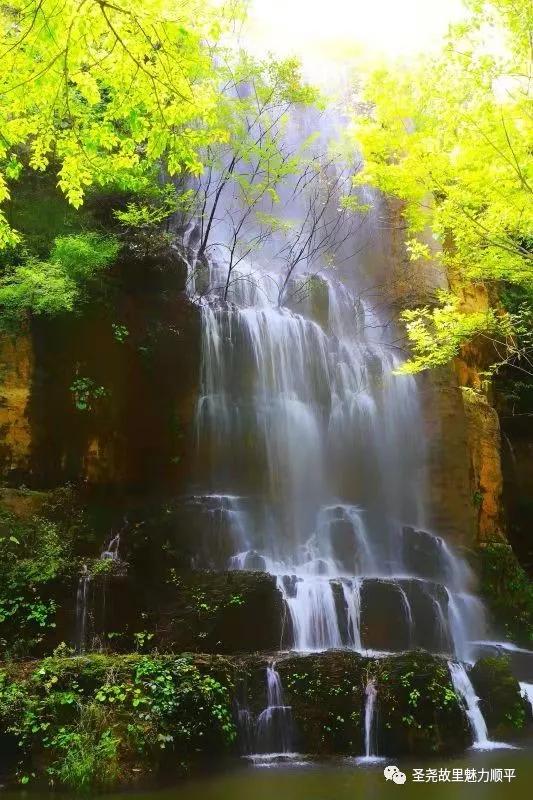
(103, 121)
(515, 389)
(450, 137)
(417, 709)
(91, 722)
(508, 592)
(327, 700)
(504, 709)
(57, 284)
(94, 102)
(420, 711)
(122, 125)
(86, 393)
(36, 552)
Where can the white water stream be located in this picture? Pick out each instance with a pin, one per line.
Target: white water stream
(312, 460)
(311, 453)
(466, 692)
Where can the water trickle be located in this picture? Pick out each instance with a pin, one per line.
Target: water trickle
(352, 597)
(470, 702)
(269, 735)
(408, 614)
(274, 728)
(527, 692)
(82, 610)
(370, 725)
(111, 551)
(370, 710)
(91, 599)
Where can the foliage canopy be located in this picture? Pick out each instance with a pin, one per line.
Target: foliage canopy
(103, 90)
(126, 97)
(451, 138)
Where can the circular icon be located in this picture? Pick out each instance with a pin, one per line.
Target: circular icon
(399, 777)
(392, 773)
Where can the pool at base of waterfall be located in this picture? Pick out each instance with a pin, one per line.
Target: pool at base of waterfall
(347, 779)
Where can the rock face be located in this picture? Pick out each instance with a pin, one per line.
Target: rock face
(141, 347)
(416, 711)
(453, 513)
(517, 458)
(419, 711)
(483, 431)
(228, 612)
(462, 429)
(232, 612)
(135, 437)
(504, 709)
(482, 423)
(326, 692)
(16, 369)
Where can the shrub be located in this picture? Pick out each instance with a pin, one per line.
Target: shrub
(508, 591)
(58, 284)
(91, 721)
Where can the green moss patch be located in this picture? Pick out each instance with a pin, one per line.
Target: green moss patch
(99, 721)
(503, 707)
(508, 592)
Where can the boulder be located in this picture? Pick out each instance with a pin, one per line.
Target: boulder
(502, 705)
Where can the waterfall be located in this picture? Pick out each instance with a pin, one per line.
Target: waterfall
(82, 604)
(352, 597)
(463, 687)
(111, 550)
(270, 735)
(311, 456)
(91, 599)
(370, 707)
(527, 692)
(470, 702)
(370, 725)
(274, 730)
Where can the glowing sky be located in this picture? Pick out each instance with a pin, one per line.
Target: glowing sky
(344, 30)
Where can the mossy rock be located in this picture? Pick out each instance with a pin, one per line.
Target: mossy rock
(419, 712)
(326, 691)
(502, 705)
(229, 612)
(232, 612)
(508, 592)
(102, 722)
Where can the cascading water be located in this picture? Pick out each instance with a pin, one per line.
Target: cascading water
(82, 610)
(274, 731)
(312, 461)
(269, 735)
(470, 701)
(91, 598)
(371, 694)
(527, 692)
(111, 551)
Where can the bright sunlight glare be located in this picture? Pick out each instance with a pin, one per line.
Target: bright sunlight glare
(341, 31)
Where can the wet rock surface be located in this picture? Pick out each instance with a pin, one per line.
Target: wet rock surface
(230, 612)
(504, 709)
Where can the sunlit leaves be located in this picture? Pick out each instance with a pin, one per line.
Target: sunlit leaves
(451, 137)
(100, 91)
(56, 285)
(436, 334)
